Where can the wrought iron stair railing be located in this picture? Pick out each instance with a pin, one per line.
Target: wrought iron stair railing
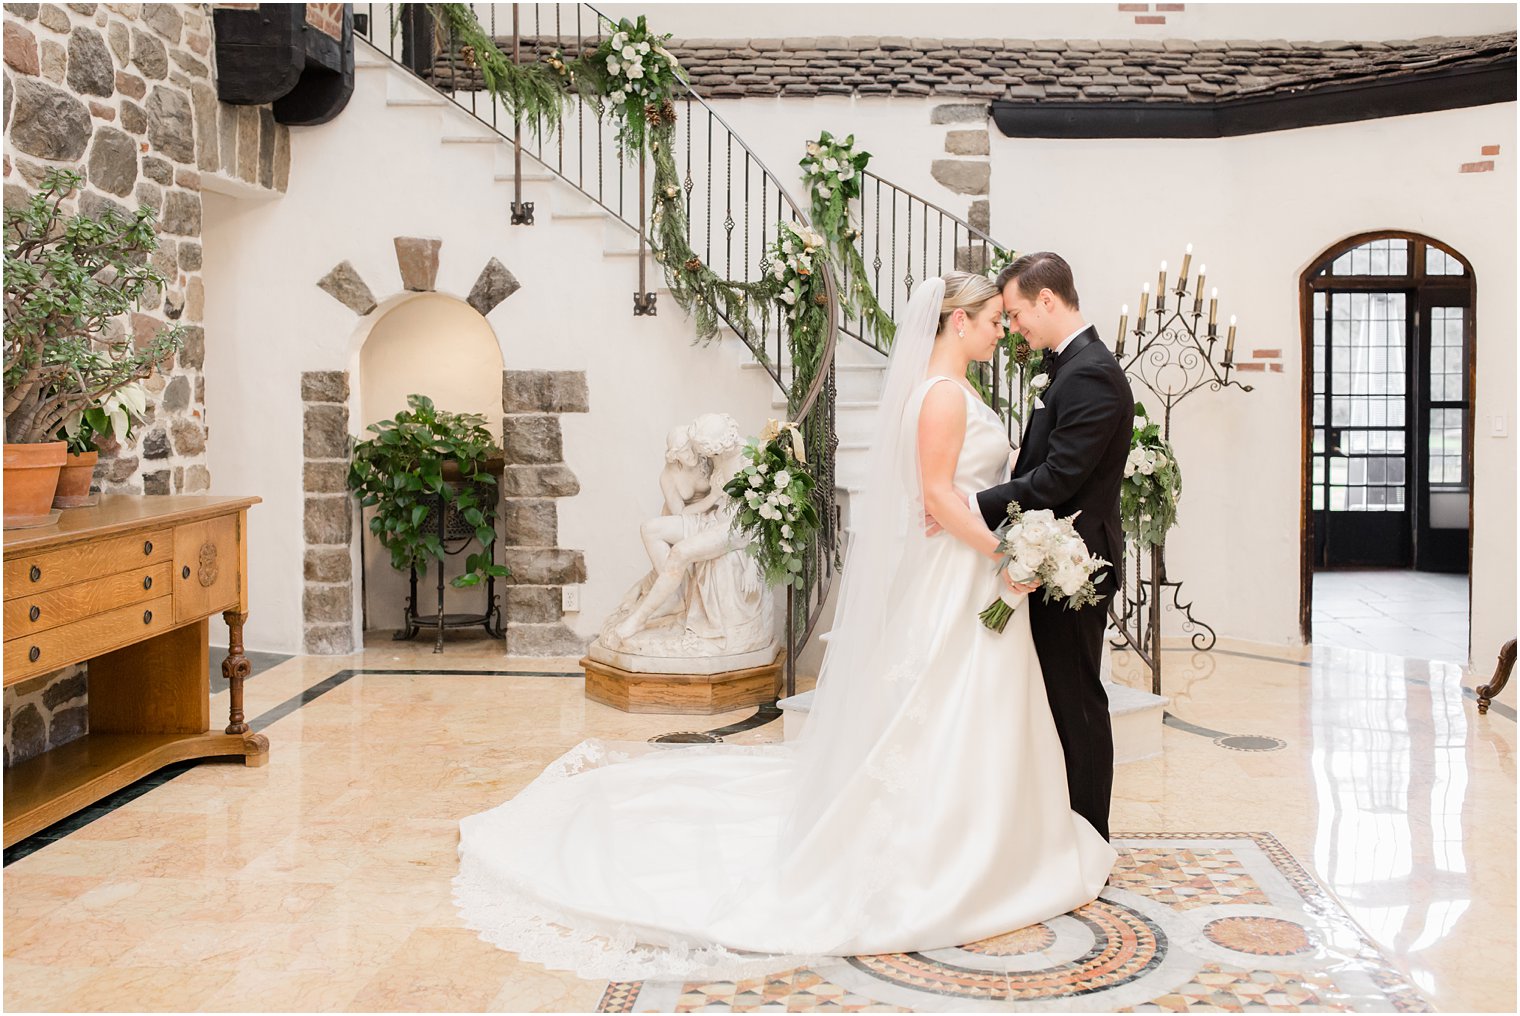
(733, 202)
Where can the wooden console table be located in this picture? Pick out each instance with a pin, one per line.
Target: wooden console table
(128, 585)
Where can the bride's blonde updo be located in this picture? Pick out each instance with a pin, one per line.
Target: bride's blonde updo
(965, 291)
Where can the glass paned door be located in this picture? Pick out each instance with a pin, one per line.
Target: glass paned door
(1441, 437)
(1360, 472)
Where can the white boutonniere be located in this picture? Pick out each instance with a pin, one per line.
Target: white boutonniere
(1037, 385)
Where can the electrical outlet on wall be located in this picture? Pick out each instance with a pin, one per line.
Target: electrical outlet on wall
(570, 598)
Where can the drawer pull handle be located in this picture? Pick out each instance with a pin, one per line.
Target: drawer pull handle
(36, 573)
(34, 613)
(184, 572)
(34, 655)
(147, 546)
(147, 581)
(147, 617)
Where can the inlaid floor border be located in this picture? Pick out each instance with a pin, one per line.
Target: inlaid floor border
(1400, 992)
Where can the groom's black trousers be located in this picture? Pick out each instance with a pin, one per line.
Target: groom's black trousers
(1070, 647)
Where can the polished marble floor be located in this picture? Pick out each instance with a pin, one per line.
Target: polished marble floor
(321, 882)
(1420, 615)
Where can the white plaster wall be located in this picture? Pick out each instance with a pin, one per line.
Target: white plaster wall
(378, 172)
(1065, 21)
(1259, 210)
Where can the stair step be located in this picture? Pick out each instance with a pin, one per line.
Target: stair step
(421, 101)
(533, 172)
(471, 139)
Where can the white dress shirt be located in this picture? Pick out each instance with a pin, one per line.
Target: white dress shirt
(1058, 351)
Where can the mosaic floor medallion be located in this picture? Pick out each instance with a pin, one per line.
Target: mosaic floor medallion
(1188, 923)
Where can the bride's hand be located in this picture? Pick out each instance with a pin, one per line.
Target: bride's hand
(1018, 587)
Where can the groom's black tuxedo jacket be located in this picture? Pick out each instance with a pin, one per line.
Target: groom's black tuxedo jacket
(1071, 458)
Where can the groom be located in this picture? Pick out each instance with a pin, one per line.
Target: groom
(1071, 460)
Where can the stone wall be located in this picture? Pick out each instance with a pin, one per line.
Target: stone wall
(536, 475)
(327, 599)
(125, 95)
(44, 712)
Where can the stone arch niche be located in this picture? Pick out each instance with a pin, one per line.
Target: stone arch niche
(419, 340)
(441, 347)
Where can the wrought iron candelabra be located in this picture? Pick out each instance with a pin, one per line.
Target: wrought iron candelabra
(1173, 360)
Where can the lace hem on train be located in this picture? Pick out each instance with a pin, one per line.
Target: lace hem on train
(508, 915)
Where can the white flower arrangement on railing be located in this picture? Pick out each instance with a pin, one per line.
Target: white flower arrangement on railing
(831, 174)
(795, 262)
(773, 503)
(638, 75)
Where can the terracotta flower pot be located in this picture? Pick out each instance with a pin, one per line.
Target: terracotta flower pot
(31, 478)
(74, 481)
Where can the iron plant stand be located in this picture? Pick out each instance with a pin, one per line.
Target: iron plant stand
(454, 538)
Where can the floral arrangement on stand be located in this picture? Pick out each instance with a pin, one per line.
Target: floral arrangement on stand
(1151, 486)
(831, 174)
(773, 502)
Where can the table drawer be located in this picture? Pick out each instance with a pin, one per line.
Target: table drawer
(27, 615)
(35, 573)
(80, 640)
(207, 563)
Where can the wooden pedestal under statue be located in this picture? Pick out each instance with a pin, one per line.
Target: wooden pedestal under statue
(701, 694)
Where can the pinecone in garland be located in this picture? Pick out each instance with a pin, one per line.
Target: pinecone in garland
(693, 263)
(1022, 351)
(664, 113)
(467, 53)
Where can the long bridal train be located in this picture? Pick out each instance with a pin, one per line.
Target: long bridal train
(926, 806)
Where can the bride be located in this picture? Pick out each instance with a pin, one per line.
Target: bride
(925, 804)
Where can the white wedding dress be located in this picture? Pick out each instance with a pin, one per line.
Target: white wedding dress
(925, 806)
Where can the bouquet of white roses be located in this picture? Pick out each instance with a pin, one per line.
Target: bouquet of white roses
(1038, 547)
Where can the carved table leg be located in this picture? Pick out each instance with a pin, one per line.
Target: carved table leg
(1486, 692)
(235, 668)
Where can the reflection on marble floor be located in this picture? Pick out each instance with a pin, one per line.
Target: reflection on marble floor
(1420, 615)
(321, 882)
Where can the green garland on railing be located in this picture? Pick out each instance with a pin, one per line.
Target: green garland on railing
(698, 290)
(533, 93)
(831, 173)
(632, 76)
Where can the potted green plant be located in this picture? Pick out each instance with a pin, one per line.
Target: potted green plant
(112, 418)
(67, 277)
(413, 459)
